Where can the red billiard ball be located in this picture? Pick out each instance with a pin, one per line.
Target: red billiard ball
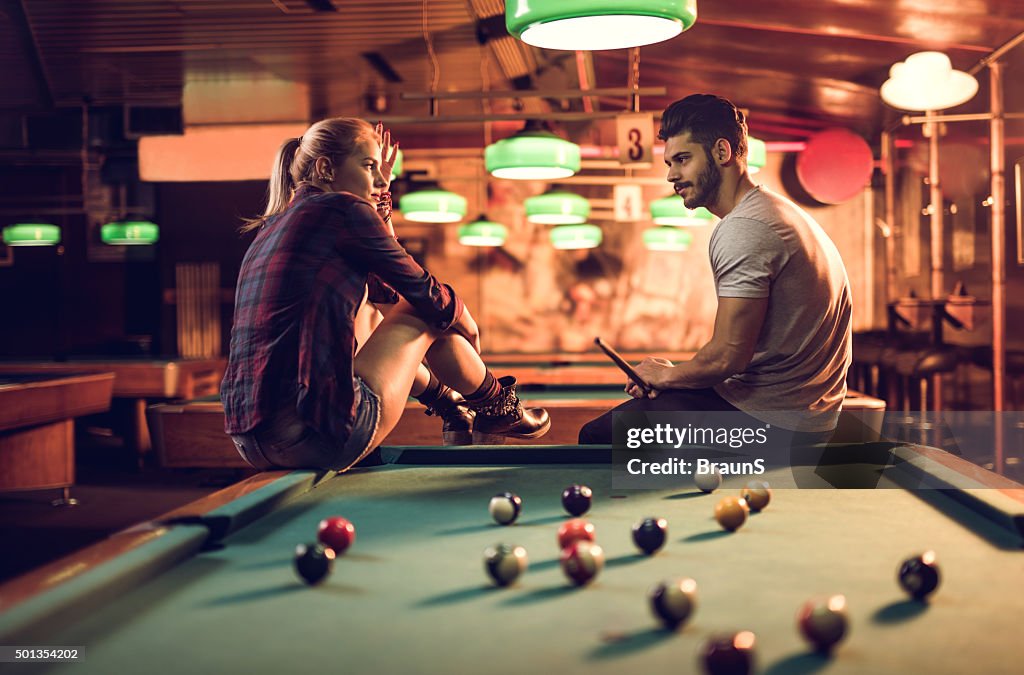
(576, 499)
(575, 530)
(582, 561)
(729, 654)
(336, 533)
(823, 623)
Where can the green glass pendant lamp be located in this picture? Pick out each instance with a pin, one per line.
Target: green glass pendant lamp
(130, 233)
(532, 154)
(757, 155)
(666, 238)
(574, 237)
(591, 25)
(31, 234)
(433, 206)
(483, 232)
(670, 210)
(557, 208)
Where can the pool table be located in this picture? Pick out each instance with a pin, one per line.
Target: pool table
(37, 440)
(212, 589)
(137, 380)
(190, 434)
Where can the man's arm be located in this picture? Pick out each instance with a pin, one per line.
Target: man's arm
(737, 326)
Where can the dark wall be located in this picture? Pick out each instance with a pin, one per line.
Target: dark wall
(55, 301)
(200, 223)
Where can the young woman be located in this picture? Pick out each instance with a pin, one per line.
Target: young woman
(302, 389)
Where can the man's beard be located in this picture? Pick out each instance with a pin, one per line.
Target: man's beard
(705, 191)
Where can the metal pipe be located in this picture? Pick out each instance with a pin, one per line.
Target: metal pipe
(895, 231)
(998, 167)
(966, 117)
(462, 119)
(535, 93)
(938, 248)
(996, 53)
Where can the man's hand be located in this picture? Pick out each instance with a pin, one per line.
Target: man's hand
(652, 370)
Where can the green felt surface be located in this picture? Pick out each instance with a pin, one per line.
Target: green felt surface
(412, 596)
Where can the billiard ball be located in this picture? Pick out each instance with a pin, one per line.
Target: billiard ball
(576, 499)
(757, 495)
(823, 623)
(505, 563)
(505, 508)
(336, 533)
(581, 561)
(919, 576)
(649, 534)
(674, 601)
(731, 513)
(313, 562)
(708, 481)
(575, 530)
(729, 654)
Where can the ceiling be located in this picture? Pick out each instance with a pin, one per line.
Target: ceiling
(796, 65)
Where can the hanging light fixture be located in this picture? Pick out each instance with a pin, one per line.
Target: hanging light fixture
(757, 155)
(927, 81)
(667, 239)
(130, 233)
(532, 154)
(671, 211)
(433, 206)
(557, 208)
(31, 234)
(483, 232)
(573, 237)
(591, 25)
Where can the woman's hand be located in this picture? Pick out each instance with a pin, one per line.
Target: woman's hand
(388, 151)
(467, 328)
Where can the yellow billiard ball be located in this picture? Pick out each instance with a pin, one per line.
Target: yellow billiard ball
(731, 512)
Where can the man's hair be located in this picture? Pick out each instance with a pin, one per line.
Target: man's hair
(707, 118)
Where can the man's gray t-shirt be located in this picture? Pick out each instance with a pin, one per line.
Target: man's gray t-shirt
(767, 247)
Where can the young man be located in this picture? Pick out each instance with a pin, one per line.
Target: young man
(781, 343)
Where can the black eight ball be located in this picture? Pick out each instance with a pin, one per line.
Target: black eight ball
(576, 499)
(919, 576)
(313, 562)
(649, 534)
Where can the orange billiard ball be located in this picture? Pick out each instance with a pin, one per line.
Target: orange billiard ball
(731, 512)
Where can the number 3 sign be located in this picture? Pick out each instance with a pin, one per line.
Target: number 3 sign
(635, 133)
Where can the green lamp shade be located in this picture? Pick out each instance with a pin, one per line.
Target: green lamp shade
(757, 155)
(557, 208)
(433, 206)
(667, 239)
(570, 237)
(130, 233)
(532, 155)
(483, 233)
(590, 25)
(396, 168)
(32, 234)
(671, 211)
